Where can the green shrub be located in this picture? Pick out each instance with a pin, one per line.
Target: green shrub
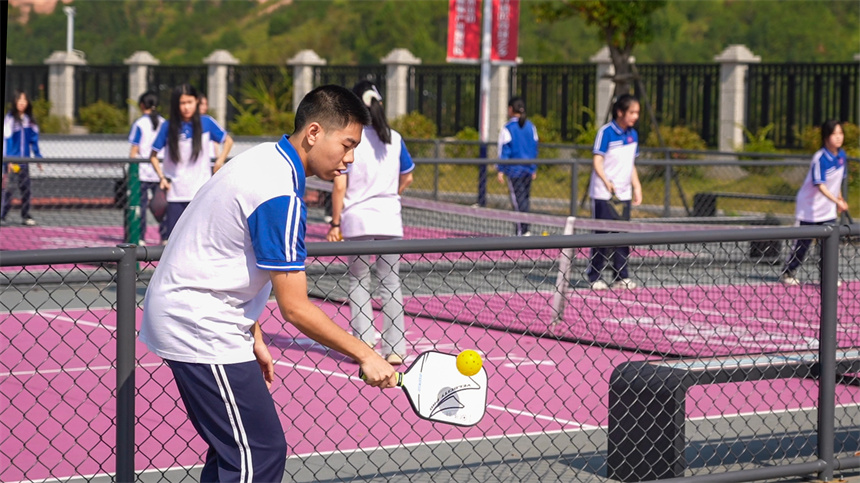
(548, 134)
(265, 108)
(758, 142)
(587, 133)
(102, 117)
(464, 150)
(49, 124)
(810, 138)
(246, 124)
(414, 125)
(678, 137)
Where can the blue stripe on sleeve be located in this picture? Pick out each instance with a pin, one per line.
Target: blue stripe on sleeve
(601, 142)
(406, 163)
(134, 136)
(277, 233)
(216, 132)
(161, 139)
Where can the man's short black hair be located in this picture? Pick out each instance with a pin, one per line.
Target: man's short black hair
(333, 107)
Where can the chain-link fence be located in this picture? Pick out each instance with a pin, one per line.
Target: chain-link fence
(78, 193)
(707, 367)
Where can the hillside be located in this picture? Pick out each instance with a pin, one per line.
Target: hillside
(361, 32)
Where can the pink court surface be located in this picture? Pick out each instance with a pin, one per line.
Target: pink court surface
(60, 393)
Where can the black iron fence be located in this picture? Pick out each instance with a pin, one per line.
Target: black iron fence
(793, 97)
(163, 78)
(106, 83)
(348, 75)
(449, 95)
(680, 95)
(562, 93)
(32, 79)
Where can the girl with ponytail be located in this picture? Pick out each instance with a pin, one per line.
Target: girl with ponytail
(141, 136)
(518, 139)
(366, 206)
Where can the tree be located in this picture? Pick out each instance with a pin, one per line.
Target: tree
(623, 24)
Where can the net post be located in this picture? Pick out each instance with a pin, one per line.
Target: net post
(126, 304)
(562, 280)
(827, 352)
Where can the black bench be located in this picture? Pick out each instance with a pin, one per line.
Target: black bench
(646, 404)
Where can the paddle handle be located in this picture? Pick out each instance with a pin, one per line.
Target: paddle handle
(399, 377)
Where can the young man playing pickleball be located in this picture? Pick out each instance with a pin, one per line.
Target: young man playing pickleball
(240, 239)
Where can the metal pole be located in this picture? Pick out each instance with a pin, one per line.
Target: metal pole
(70, 28)
(667, 191)
(574, 187)
(827, 352)
(125, 361)
(484, 115)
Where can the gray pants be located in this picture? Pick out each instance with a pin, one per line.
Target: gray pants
(387, 269)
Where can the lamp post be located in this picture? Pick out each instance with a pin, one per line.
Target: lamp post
(70, 28)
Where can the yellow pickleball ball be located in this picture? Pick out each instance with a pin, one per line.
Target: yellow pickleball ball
(15, 167)
(469, 362)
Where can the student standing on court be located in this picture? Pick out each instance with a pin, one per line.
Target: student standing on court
(614, 174)
(186, 166)
(518, 139)
(143, 132)
(819, 199)
(20, 139)
(242, 239)
(366, 206)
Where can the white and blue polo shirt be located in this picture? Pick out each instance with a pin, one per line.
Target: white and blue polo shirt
(213, 281)
(142, 135)
(371, 205)
(188, 175)
(517, 142)
(20, 137)
(619, 149)
(827, 169)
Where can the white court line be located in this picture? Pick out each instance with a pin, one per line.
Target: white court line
(694, 310)
(71, 369)
(50, 316)
(516, 412)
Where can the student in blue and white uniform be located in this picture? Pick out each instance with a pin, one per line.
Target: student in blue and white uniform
(141, 136)
(242, 239)
(614, 174)
(819, 199)
(186, 166)
(518, 139)
(366, 206)
(20, 139)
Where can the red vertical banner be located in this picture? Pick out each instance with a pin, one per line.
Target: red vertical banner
(506, 30)
(464, 30)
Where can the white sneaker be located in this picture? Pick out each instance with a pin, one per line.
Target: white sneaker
(327, 219)
(528, 233)
(624, 283)
(789, 280)
(142, 243)
(599, 285)
(28, 222)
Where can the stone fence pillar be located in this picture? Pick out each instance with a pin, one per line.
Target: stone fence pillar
(61, 82)
(734, 64)
(216, 79)
(303, 74)
(138, 74)
(396, 94)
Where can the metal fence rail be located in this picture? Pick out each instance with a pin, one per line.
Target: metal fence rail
(81, 400)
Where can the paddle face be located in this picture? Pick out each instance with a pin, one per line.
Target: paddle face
(619, 209)
(438, 392)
